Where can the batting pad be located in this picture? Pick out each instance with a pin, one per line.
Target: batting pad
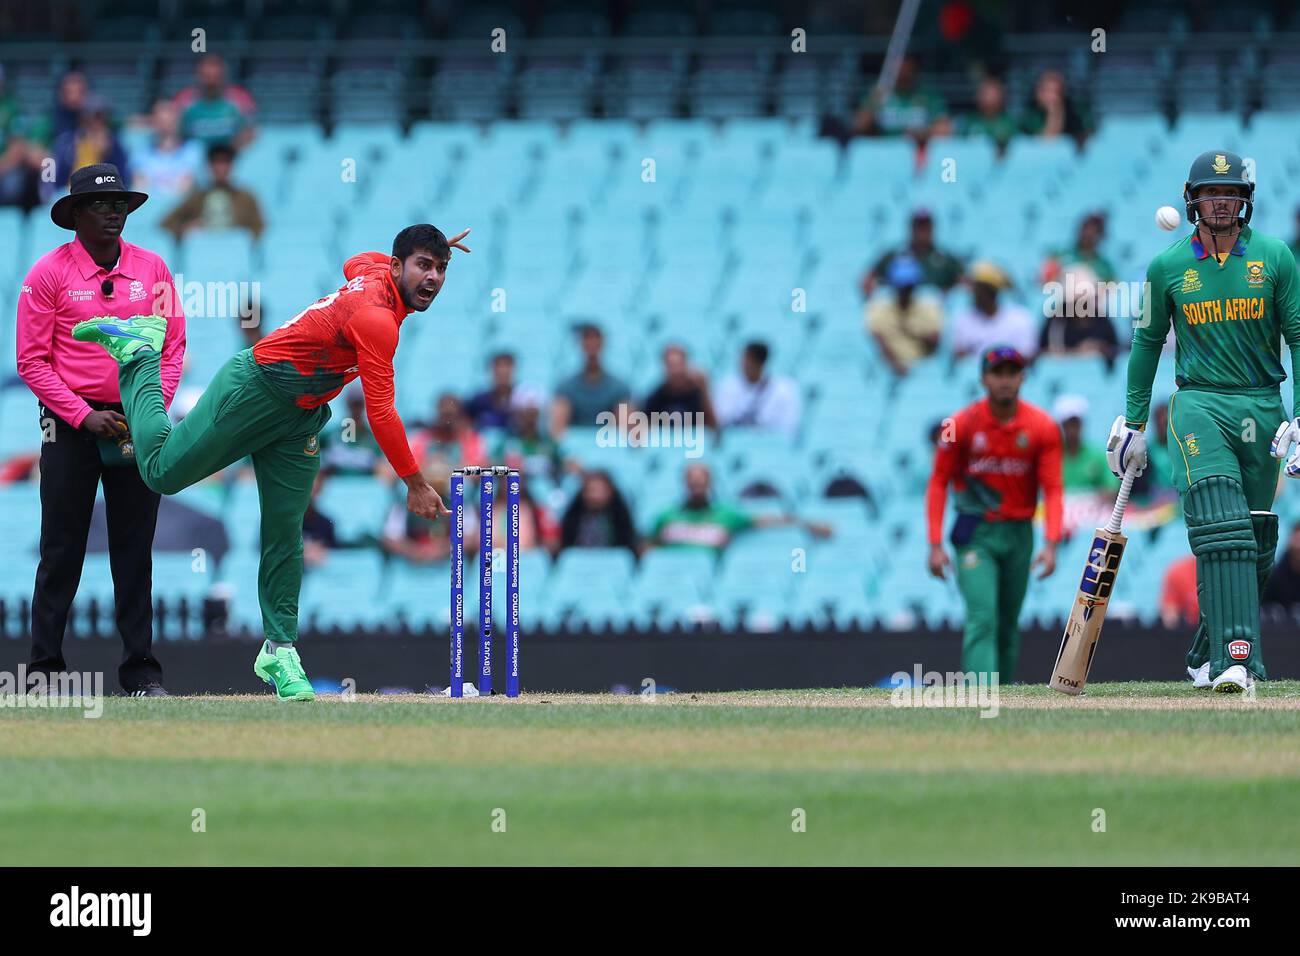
(1222, 537)
(1264, 526)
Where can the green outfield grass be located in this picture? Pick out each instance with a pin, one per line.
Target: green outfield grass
(1183, 777)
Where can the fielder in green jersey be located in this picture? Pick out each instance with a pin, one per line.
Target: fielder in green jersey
(1231, 296)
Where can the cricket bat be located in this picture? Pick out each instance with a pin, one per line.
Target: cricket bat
(1083, 627)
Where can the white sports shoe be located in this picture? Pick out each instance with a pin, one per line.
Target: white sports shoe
(468, 690)
(1200, 676)
(1234, 680)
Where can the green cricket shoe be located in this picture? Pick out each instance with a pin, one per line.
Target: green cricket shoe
(122, 338)
(282, 669)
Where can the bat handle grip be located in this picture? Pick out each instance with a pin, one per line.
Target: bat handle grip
(1121, 502)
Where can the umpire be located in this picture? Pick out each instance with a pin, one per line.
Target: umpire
(84, 436)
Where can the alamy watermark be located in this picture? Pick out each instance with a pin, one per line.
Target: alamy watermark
(626, 427)
(68, 689)
(974, 689)
(1080, 295)
(223, 300)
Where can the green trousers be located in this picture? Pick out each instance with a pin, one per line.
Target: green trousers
(1226, 434)
(993, 574)
(236, 417)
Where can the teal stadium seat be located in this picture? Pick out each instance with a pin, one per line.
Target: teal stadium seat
(357, 505)
(590, 584)
(344, 591)
(181, 576)
(672, 587)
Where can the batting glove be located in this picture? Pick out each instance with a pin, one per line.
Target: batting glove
(1286, 444)
(1126, 448)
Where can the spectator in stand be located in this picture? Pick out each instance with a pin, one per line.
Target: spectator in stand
(910, 109)
(906, 325)
(19, 166)
(90, 143)
(1179, 605)
(991, 119)
(219, 205)
(1283, 588)
(525, 446)
(757, 399)
(1085, 251)
(318, 537)
(598, 517)
(69, 104)
(701, 523)
(1076, 328)
(1052, 112)
(585, 395)
(491, 408)
(1083, 465)
(168, 166)
(352, 449)
(990, 321)
(213, 111)
(684, 389)
(451, 435)
(1080, 325)
(938, 268)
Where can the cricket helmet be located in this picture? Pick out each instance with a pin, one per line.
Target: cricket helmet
(1218, 167)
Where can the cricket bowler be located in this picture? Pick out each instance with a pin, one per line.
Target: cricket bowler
(997, 453)
(270, 402)
(1230, 295)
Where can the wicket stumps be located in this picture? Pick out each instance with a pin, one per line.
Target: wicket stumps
(487, 499)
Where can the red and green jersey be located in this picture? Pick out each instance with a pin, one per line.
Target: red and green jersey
(997, 467)
(1229, 318)
(349, 333)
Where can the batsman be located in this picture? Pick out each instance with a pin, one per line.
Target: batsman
(1231, 295)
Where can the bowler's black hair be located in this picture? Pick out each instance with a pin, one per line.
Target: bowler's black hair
(221, 151)
(757, 351)
(421, 236)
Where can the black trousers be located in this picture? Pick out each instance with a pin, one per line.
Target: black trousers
(70, 474)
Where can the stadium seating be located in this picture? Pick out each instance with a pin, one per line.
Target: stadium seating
(739, 214)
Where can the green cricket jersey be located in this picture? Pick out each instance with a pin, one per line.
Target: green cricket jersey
(1229, 320)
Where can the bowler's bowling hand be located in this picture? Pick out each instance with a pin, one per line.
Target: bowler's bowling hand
(422, 499)
(105, 424)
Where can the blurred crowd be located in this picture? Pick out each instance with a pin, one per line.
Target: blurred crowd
(912, 108)
(504, 423)
(907, 287)
(184, 153)
(185, 158)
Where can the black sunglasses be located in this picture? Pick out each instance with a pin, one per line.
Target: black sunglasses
(101, 206)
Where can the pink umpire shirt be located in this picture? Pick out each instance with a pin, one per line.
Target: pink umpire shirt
(65, 287)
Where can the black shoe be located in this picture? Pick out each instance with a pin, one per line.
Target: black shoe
(152, 689)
